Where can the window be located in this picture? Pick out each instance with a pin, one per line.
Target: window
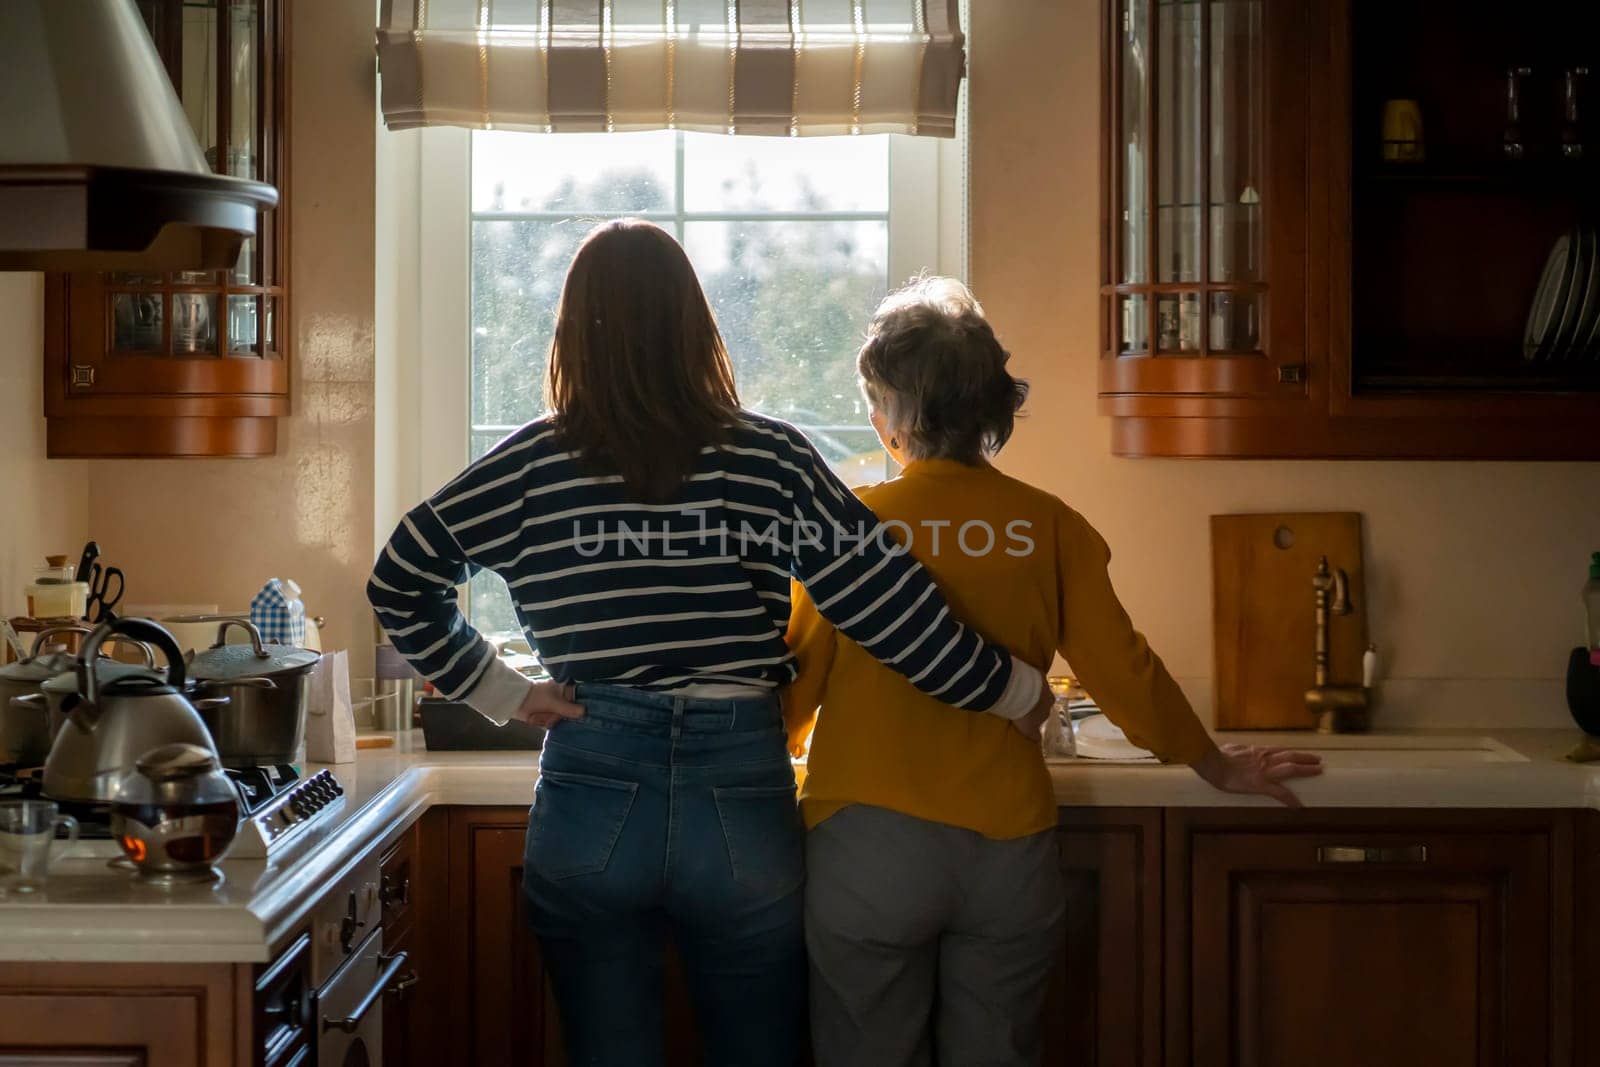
(795, 242)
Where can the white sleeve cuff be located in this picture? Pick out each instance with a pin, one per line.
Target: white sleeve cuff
(1022, 691)
(499, 693)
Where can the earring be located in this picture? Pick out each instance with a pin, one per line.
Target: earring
(894, 442)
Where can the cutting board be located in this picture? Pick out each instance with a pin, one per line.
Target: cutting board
(1264, 614)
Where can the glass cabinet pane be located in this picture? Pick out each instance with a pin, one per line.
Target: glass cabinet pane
(199, 89)
(1178, 323)
(1235, 322)
(1235, 139)
(243, 62)
(1133, 326)
(136, 321)
(1180, 168)
(1135, 142)
(194, 324)
(244, 327)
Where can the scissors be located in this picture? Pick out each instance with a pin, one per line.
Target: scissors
(98, 608)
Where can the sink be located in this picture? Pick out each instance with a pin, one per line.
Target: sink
(1398, 751)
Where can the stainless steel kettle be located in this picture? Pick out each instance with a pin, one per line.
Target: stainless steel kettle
(110, 724)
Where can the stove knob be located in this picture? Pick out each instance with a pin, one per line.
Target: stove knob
(290, 813)
(338, 790)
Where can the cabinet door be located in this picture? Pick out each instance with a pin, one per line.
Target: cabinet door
(112, 1015)
(1204, 295)
(1375, 943)
(1104, 1006)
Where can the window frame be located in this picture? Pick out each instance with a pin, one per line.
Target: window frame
(927, 229)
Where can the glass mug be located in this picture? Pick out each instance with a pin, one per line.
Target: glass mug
(27, 832)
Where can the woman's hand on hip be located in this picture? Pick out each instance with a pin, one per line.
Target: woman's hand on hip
(1252, 769)
(548, 703)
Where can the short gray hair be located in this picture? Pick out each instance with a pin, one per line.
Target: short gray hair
(933, 365)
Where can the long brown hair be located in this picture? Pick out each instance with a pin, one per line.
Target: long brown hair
(639, 378)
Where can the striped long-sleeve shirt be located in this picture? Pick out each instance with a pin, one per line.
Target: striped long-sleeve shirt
(670, 596)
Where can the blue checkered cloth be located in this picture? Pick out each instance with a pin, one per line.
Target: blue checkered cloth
(281, 619)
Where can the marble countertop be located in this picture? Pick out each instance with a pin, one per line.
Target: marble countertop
(88, 912)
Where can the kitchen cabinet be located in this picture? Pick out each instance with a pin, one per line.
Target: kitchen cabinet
(122, 1015)
(1368, 937)
(1104, 1004)
(188, 363)
(1586, 961)
(1273, 286)
(413, 882)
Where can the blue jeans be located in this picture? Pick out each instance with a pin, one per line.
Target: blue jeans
(657, 814)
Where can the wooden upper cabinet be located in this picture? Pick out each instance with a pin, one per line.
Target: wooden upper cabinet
(188, 363)
(1280, 282)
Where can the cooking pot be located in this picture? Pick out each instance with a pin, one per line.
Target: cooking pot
(263, 722)
(24, 718)
(112, 721)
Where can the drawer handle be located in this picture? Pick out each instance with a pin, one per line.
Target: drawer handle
(1364, 854)
(392, 966)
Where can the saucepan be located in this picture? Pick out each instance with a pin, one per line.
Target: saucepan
(264, 722)
(30, 712)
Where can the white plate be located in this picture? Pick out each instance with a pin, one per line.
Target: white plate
(1563, 338)
(1545, 311)
(1583, 338)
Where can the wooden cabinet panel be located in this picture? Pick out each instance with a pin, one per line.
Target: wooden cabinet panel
(88, 1015)
(1372, 938)
(1104, 1004)
(414, 890)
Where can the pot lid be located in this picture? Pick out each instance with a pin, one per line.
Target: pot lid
(39, 669)
(168, 762)
(228, 663)
(106, 671)
(99, 168)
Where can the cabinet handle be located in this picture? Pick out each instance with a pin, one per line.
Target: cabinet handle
(1364, 854)
(392, 966)
(1292, 374)
(395, 891)
(82, 376)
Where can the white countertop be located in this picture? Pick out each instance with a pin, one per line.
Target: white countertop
(88, 912)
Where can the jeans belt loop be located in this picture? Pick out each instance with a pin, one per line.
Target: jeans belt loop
(677, 717)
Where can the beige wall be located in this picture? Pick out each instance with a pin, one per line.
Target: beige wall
(1473, 569)
(45, 508)
(212, 531)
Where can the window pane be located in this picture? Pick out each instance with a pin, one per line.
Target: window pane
(792, 299)
(790, 174)
(576, 172)
(517, 271)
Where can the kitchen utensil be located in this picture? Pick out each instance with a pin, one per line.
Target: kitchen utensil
(105, 590)
(91, 552)
(24, 711)
(175, 814)
(27, 834)
(1264, 632)
(267, 685)
(1545, 312)
(1402, 132)
(112, 721)
(13, 643)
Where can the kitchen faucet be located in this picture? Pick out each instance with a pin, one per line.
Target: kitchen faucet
(1338, 708)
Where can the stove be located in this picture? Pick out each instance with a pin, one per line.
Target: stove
(277, 806)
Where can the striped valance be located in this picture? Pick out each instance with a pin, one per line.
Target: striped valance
(781, 67)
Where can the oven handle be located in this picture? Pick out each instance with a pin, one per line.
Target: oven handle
(392, 965)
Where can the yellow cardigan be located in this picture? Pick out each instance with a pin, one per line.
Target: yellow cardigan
(1041, 588)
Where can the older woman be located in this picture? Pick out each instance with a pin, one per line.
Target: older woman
(934, 896)
(648, 528)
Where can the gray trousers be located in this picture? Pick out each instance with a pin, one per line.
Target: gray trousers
(928, 943)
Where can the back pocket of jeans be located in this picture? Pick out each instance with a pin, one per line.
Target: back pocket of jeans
(576, 821)
(766, 841)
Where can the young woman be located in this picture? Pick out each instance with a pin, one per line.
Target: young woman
(648, 529)
(933, 897)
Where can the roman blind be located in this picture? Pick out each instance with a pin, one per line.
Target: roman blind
(776, 67)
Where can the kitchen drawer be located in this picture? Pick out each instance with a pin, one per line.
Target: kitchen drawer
(397, 880)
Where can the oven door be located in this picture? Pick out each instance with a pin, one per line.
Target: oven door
(349, 1008)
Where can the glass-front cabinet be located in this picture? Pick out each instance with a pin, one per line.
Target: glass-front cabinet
(1203, 288)
(188, 363)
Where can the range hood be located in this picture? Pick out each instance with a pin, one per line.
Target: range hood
(99, 169)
